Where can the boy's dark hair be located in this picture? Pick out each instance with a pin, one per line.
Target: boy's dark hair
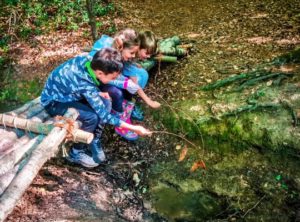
(107, 60)
(148, 41)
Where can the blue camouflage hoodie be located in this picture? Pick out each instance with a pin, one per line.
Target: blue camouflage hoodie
(71, 82)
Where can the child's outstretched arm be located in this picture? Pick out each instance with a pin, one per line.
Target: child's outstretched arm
(140, 130)
(126, 83)
(149, 101)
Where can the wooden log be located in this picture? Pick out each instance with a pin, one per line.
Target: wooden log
(21, 150)
(32, 111)
(7, 140)
(164, 58)
(42, 128)
(26, 124)
(24, 107)
(6, 145)
(186, 46)
(2, 130)
(18, 143)
(6, 179)
(41, 117)
(18, 132)
(11, 163)
(6, 133)
(24, 178)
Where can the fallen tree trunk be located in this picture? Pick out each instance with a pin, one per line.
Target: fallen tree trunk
(164, 58)
(42, 128)
(18, 152)
(40, 155)
(7, 140)
(6, 178)
(41, 117)
(17, 143)
(32, 111)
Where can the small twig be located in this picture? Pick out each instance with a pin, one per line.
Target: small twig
(173, 110)
(173, 134)
(88, 172)
(260, 200)
(159, 62)
(130, 164)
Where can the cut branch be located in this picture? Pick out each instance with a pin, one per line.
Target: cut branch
(40, 155)
(42, 128)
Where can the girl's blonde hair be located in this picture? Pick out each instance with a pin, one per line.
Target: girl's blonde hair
(148, 41)
(126, 38)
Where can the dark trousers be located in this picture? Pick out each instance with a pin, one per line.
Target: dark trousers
(87, 116)
(117, 95)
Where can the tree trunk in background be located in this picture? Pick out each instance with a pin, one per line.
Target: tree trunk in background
(92, 20)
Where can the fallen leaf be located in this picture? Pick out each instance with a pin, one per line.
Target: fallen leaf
(193, 35)
(269, 82)
(136, 179)
(183, 154)
(198, 164)
(178, 147)
(286, 68)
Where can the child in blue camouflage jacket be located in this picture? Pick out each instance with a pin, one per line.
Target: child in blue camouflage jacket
(75, 84)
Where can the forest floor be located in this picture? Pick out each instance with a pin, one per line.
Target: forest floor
(117, 190)
(114, 191)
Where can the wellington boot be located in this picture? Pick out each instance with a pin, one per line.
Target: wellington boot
(125, 116)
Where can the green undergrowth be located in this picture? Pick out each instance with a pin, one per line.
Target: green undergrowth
(38, 17)
(264, 117)
(16, 92)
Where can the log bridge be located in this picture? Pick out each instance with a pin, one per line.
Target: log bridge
(28, 138)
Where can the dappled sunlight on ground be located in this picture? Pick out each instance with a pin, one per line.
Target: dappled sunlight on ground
(38, 56)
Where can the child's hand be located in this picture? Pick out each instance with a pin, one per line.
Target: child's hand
(105, 95)
(142, 131)
(154, 104)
